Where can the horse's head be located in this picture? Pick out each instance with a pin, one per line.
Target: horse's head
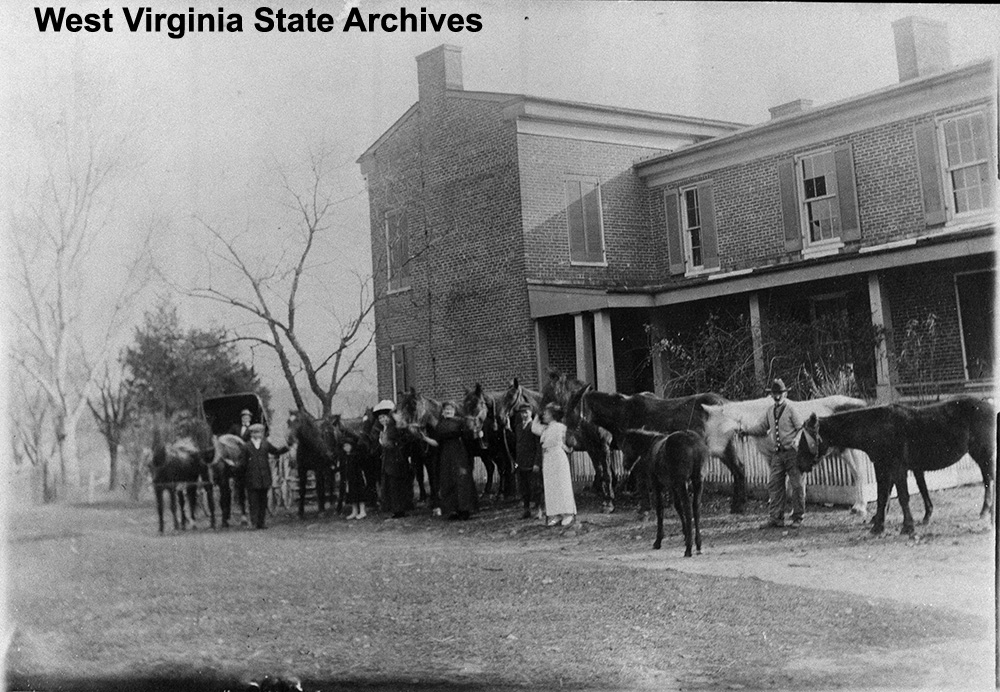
(228, 450)
(575, 408)
(720, 427)
(812, 448)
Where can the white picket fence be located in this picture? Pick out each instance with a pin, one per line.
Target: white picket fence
(830, 482)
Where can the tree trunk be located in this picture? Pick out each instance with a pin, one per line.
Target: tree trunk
(113, 470)
(69, 460)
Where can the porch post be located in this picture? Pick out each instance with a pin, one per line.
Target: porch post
(541, 351)
(658, 327)
(882, 321)
(583, 325)
(604, 351)
(758, 340)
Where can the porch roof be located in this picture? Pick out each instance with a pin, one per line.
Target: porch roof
(548, 299)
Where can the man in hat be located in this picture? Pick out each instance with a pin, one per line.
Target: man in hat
(258, 472)
(781, 424)
(242, 429)
(527, 457)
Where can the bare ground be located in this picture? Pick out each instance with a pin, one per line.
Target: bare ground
(99, 600)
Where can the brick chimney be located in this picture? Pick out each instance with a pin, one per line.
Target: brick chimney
(921, 47)
(439, 69)
(796, 106)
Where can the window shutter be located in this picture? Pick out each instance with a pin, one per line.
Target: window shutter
(709, 237)
(789, 205)
(409, 374)
(592, 222)
(847, 194)
(674, 245)
(403, 245)
(574, 213)
(925, 136)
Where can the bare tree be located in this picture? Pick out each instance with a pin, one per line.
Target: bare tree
(113, 407)
(31, 438)
(64, 322)
(271, 294)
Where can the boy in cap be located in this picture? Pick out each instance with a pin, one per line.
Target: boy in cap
(781, 424)
(527, 457)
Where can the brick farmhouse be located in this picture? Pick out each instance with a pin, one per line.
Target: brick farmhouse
(512, 233)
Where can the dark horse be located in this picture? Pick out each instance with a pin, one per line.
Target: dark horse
(490, 422)
(179, 469)
(673, 462)
(417, 416)
(619, 413)
(899, 438)
(313, 452)
(581, 435)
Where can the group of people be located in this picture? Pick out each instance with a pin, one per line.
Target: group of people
(541, 461)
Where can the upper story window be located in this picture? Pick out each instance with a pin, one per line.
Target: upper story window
(956, 166)
(820, 207)
(692, 243)
(691, 220)
(586, 231)
(397, 244)
(819, 202)
(967, 162)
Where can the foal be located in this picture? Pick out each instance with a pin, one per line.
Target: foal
(673, 462)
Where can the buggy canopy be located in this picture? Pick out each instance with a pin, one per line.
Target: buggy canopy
(223, 412)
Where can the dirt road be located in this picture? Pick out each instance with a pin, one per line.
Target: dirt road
(98, 598)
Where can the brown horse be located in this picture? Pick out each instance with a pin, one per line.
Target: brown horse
(674, 463)
(898, 438)
(490, 423)
(416, 416)
(619, 413)
(179, 469)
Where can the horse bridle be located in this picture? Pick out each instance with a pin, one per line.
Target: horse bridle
(813, 440)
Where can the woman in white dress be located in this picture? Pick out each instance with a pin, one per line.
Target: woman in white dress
(560, 505)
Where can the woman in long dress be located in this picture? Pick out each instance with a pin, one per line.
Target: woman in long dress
(456, 487)
(560, 505)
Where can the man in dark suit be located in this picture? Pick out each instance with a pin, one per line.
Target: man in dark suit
(258, 472)
(238, 473)
(527, 458)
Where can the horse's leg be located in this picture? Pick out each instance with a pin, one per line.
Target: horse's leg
(853, 459)
(210, 499)
(320, 472)
(173, 506)
(682, 503)
(903, 495)
(658, 492)
(696, 507)
(926, 496)
(225, 498)
(985, 460)
(883, 479)
(732, 462)
(303, 482)
(192, 497)
(159, 504)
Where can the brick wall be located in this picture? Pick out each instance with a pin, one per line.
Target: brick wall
(545, 163)
(748, 202)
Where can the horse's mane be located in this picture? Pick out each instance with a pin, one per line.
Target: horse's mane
(417, 409)
(560, 388)
(306, 431)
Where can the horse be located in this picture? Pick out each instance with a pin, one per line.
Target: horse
(898, 438)
(673, 462)
(417, 415)
(619, 413)
(312, 453)
(179, 469)
(228, 465)
(581, 436)
(748, 413)
(490, 423)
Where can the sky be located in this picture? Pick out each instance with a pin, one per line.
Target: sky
(214, 120)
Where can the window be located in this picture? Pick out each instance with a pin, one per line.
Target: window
(402, 368)
(692, 241)
(976, 296)
(583, 211)
(819, 202)
(691, 221)
(397, 245)
(820, 208)
(966, 158)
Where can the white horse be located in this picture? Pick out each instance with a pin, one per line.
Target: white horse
(726, 420)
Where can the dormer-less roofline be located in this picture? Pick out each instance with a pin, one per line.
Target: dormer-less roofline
(973, 81)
